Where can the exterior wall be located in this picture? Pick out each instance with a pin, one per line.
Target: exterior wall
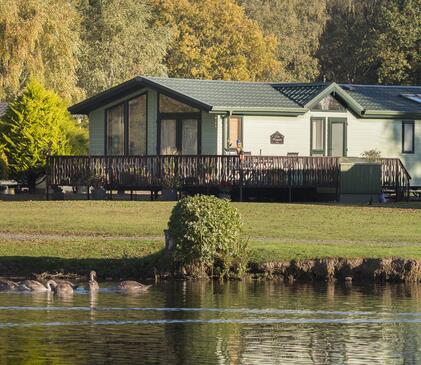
(97, 126)
(258, 129)
(384, 135)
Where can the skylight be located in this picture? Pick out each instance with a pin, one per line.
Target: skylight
(413, 97)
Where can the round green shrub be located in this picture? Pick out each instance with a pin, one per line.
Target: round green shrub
(207, 237)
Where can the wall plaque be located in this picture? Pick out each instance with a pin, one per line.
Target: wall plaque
(277, 138)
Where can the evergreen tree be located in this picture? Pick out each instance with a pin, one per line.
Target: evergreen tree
(36, 124)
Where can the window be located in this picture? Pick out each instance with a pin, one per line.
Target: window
(170, 105)
(115, 130)
(329, 103)
(317, 132)
(137, 125)
(235, 132)
(126, 127)
(408, 137)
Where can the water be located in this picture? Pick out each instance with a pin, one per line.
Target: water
(211, 323)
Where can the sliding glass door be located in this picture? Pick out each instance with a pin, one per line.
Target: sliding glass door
(189, 136)
(179, 136)
(168, 137)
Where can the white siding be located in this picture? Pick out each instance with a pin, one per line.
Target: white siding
(258, 129)
(384, 135)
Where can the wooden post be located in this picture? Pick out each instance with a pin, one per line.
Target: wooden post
(241, 178)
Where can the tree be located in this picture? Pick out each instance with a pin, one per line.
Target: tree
(397, 42)
(36, 124)
(345, 53)
(119, 42)
(372, 41)
(298, 26)
(38, 38)
(214, 39)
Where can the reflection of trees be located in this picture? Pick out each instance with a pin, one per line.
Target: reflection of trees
(219, 343)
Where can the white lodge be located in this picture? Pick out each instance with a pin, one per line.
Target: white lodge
(163, 116)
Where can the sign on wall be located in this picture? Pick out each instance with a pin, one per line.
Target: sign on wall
(277, 138)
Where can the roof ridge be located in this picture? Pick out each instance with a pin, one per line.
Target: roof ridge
(382, 86)
(208, 80)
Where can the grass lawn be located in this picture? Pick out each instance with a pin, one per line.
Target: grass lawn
(131, 230)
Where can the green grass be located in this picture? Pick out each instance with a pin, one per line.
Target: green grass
(64, 232)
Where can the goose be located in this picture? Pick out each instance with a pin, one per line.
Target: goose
(133, 286)
(7, 285)
(61, 288)
(93, 284)
(34, 286)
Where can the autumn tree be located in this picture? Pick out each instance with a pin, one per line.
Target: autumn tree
(214, 39)
(39, 38)
(297, 25)
(36, 124)
(118, 43)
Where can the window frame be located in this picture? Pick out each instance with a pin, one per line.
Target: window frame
(241, 132)
(312, 150)
(411, 123)
(340, 102)
(125, 104)
(178, 116)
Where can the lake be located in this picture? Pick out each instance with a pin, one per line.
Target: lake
(211, 323)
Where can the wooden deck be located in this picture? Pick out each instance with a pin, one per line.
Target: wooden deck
(224, 172)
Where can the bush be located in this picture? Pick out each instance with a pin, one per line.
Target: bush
(372, 155)
(207, 237)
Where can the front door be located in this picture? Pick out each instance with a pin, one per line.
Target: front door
(179, 136)
(337, 144)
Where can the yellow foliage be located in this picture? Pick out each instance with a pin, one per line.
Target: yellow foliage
(214, 39)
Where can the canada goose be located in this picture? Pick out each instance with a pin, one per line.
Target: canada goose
(34, 286)
(93, 284)
(7, 285)
(133, 286)
(61, 288)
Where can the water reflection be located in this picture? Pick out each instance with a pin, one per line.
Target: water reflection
(212, 323)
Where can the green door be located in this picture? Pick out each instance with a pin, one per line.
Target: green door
(337, 144)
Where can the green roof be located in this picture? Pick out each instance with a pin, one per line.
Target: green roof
(264, 97)
(301, 93)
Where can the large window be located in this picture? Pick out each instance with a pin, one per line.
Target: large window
(408, 137)
(137, 125)
(235, 132)
(115, 130)
(126, 127)
(170, 105)
(318, 136)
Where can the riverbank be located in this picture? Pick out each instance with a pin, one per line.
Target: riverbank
(125, 239)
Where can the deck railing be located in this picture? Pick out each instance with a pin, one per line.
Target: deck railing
(156, 172)
(145, 172)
